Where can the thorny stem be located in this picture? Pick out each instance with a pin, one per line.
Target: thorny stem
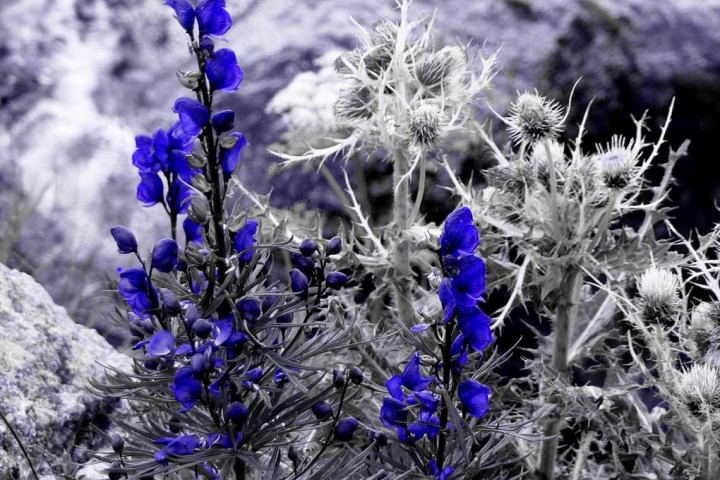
(564, 315)
(401, 183)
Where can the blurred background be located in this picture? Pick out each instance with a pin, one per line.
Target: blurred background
(80, 78)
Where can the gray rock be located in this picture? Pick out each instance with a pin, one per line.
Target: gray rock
(46, 362)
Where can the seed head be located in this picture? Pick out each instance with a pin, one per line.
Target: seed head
(660, 299)
(357, 103)
(617, 163)
(441, 72)
(699, 388)
(534, 118)
(427, 125)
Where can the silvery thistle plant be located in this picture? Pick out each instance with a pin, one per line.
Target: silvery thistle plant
(232, 377)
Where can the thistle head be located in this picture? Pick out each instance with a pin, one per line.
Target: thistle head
(616, 162)
(659, 293)
(356, 104)
(426, 125)
(442, 73)
(699, 388)
(533, 119)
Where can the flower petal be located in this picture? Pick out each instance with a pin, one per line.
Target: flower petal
(223, 71)
(411, 377)
(212, 17)
(474, 397)
(193, 115)
(184, 12)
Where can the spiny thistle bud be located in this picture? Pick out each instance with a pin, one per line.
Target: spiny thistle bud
(381, 47)
(705, 331)
(658, 290)
(427, 125)
(534, 118)
(699, 388)
(617, 163)
(440, 72)
(357, 103)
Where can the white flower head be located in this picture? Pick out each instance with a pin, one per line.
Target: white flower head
(617, 162)
(659, 290)
(699, 388)
(533, 119)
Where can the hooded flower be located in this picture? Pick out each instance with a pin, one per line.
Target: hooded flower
(460, 236)
(223, 71)
(245, 239)
(474, 397)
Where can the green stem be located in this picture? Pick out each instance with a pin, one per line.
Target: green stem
(401, 257)
(444, 411)
(564, 315)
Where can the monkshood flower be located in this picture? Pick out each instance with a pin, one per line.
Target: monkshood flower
(212, 18)
(474, 397)
(231, 146)
(125, 239)
(193, 115)
(440, 475)
(165, 255)
(245, 240)
(176, 446)
(137, 291)
(223, 72)
(460, 236)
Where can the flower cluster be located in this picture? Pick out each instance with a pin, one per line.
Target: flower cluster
(416, 406)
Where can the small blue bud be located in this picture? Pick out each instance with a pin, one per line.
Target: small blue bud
(302, 263)
(308, 247)
(171, 304)
(223, 121)
(334, 246)
(125, 239)
(298, 281)
(165, 255)
(322, 410)
(345, 428)
(118, 443)
(202, 328)
(356, 375)
(237, 413)
(336, 280)
(338, 378)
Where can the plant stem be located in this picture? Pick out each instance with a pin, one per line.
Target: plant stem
(401, 261)
(22, 447)
(447, 364)
(564, 315)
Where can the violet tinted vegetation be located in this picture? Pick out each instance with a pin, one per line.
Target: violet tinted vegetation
(390, 342)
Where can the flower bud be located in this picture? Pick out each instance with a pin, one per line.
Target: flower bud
(699, 388)
(356, 375)
(357, 103)
(124, 239)
(298, 281)
(322, 410)
(118, 443)
(660, 299)
(334, 246)
(336, 280)
(293, 454)
(427, 124)
(345, 428)
(171, 304)
(115, 471)
(202, 328)
(616, 163)
(223, 121)
(165, 255)
(308, 247)
(237, 413)
(533, 119)
(338, 378)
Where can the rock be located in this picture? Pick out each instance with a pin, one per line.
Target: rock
(46, 362)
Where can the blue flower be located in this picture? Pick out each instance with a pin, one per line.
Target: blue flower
(308, 247)
(223, 121)
(124, 239)
(176, 446)
(230, 157)
(426, 424)
(394, 413)
(245, 239)
(150, 189)
(193, 231)
(134, 287)
(460, 236)
(474, 397)
(225, 336)
(184, 12)
(237, 413)
(444, 475)
(161, 344)
(165, 255)
(465, 289)
(334, 246)
(459, 354)
(475, 326)
(193, 115)
(345, 428)
(410, 379)
(249, 309)
(223, 72)
(212, 17)
(187, 388)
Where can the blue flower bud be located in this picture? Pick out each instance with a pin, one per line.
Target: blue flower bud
(165, 255)
(171, 304)
(302, 263)
(249, 309)
(338, 378)
(379, 438)
(118, 443)
(356, 375)
(237, 413)
(298, 281)
(202, 328)
(223, 121)
(322, 410)
(336, 280)
(124, 238)
(199, 364)
(308, 247)
(334, 246)
(206, 45)
(115, 471)
(345, 428)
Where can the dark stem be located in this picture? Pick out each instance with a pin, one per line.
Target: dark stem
(444, 412)
(22, 447)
